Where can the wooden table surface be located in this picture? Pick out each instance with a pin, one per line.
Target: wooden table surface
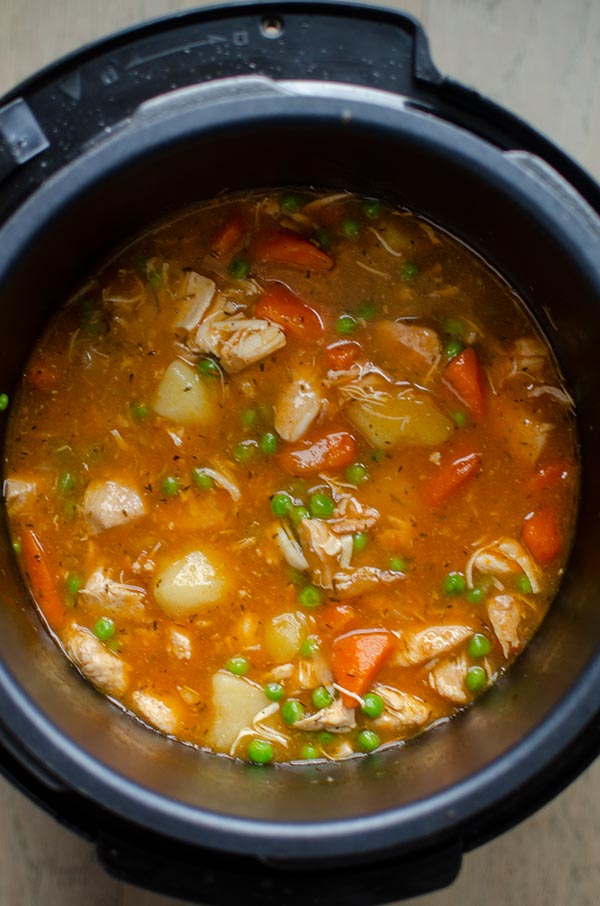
(540, 58)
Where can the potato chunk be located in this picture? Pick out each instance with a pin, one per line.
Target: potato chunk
(400, 420)
(284, 635)
(190, 584)
(236, 701)
(183, 397)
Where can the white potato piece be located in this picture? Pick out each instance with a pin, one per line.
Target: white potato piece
(183, 397)
(107, 504)
(400, 420)
(190, 584)
(236, 701)
(284, 635)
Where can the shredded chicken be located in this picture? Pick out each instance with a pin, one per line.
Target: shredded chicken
(155, 711)
(505, 613)
(19, 493)
(448, 679)
(503, 557)
(237, 341)
(259, 728)
(179, 644)
(225, 481)
(419, 647)
(196, 294)
(104, 592)
(421, 341)
(336, 718)
(107, 504)
(350, 583)
(313, 672)
(290, 547)
(103, 668)
(298, 404)
(325, 551)
(400, 710)
(350, 516)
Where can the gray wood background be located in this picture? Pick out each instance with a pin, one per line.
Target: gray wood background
(540, 58)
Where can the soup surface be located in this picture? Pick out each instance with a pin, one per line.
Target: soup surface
(293, 477)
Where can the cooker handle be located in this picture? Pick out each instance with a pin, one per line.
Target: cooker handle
(203, 876)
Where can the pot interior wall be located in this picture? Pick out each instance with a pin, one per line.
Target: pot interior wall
(516, 240)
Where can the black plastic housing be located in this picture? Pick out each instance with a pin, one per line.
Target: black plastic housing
(339, 96)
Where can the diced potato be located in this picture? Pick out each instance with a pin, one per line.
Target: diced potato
(284, 635)
(183, 397)
(190, 584)
(400, 420)
(235, 703)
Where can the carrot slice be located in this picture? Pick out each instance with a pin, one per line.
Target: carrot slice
(465, 377)
(291, 249)
(542, 535)
(450, 477)
(43, 583)
(336, 617)
(229, 235)
(548, 476)
(332, 451)
(295, 317)
(357, 658)
(340, 356)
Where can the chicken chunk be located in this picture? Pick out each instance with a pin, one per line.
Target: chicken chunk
(298, 404)
(19, 493)
(503, 557)
(336, 718)
(179, 644)
(354, 582)
(104, 592)
(419, 647)
(237, 341)
(351, 516)
(420, 343)
(103, 668)
(155, 711)
(400, 710)
(448, 679)
(325, 552)
(107, 504)
(195, 296)
(505, 613)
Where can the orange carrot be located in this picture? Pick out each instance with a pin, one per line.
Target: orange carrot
(465, 377)
(542, 535)
(42, 374)
(357, 658)
(230, 235)
(295, 317)
(43, 583)
(548, 476)
(332, 451)
(336, 617)
(291, 249)
(450, 477)
(340, 356)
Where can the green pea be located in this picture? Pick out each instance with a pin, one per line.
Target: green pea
(397, 564)
(292, 711)
(455, 328)
(3, 401)
(269, 443)
(409, 270)
(372, 705)
(74, 583)
(298, 513)
(281, 504)
(208, 367)
(476, 679)
(155, 278)
(479, 645)
(321, 697)
(140, 412)
(351, 228)
(70, 509)
(368, 740)
(310, 596)
(239, 269)
(170, 486)
(454, 584)
(346, 325)
(476, 594)
(323, 239)
(238, 665)
(325, 738)
(321, 506)
(377, 455)
(248, 418)
(245, 451)
(310, 646)
(274, 691)
(367, 310)
(290, 203)
(260, 751)
(359, 541)
(104, 629)
(459, 418)
(371, 208)
(356, 473)
(453, 348)
(17, 546)
(524, 585)
(202, 480)
(66, 483)
(308, 752)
